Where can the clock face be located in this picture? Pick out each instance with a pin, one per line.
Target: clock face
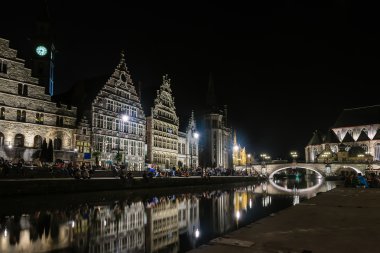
(41, 50)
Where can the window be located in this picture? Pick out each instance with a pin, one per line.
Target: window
(2, 113)
(57, 144)
(59, 121)
(140, 148)
(84, 131)
(19, 140)
(183, 148)
(37, 141)
(21, 116)
(1, 139)
(109, 123)
(99, 121)
(22, 89)
(39, 118)
(133, 148)
(3, 67)
(109, 105)
(377, 151)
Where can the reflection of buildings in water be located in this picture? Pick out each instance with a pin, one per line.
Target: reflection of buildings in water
(120, 228)
(188, 218)
(162, 226)
(41, 232)
(267, 200)
(222, 208)
(296, 199)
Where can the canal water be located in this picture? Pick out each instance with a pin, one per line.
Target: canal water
(171, 220)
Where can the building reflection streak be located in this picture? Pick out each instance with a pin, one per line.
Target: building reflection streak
(157, 224)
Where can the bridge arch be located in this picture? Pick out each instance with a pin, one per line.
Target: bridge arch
(284, 168)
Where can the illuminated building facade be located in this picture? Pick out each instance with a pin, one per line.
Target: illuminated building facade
(113, 108)
(28, 116)
(162, 128)
(355, 137)
(239, 155)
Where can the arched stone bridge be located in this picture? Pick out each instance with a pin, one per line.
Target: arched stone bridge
(320, 168)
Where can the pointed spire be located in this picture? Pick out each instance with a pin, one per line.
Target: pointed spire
(235, 140)
(211, 99)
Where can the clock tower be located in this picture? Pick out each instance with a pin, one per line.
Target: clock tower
(43, 51)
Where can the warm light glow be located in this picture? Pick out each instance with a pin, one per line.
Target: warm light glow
(249, 155)
(236, 147)
(197, 233)
(73, 224)
(75, 150)
(250, 203)
(10, 146)
(125, 118)
(237, 215)
(196, 135)
(5, 233)
(105, 223)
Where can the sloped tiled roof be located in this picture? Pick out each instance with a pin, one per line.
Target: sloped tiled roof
(316, 139)
(359, 116)
(363, 137)
(348, 138)
(331, 137)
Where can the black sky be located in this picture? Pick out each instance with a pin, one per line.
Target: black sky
(285, 68)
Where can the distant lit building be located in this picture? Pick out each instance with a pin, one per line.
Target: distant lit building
(188, 146)
(27, 114)
(354, 137)
(239, 154)
(162, 128)
(217, 141)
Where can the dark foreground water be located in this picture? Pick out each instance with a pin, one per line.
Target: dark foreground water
(174, 220)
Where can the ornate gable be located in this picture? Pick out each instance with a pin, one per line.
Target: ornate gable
(164, 108)
(121, 78)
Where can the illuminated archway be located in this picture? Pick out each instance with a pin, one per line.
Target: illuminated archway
(284, 168)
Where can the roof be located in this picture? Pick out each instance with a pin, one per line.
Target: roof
(377, 135)
(359, 116)
(348, 138)
(363, 137)
(331, 137)
(316, 139)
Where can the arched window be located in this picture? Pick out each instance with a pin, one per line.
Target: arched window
(19, 140)
(57, 144)
(1, 139)
(2, 113)
(37, 141)
(377, 152)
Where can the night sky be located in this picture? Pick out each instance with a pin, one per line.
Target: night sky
(284, 68)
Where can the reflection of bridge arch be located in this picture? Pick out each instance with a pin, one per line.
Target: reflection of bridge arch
(284, 168)
(350, 167)
(310, 189)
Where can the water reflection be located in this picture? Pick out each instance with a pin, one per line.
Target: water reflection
(174, 223)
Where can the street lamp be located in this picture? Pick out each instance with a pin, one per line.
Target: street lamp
(294, 155)
(194, 135)
(124, 118)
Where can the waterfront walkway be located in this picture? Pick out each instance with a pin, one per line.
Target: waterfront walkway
(342, 220)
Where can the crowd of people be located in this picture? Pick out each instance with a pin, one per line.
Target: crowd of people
(369, 180)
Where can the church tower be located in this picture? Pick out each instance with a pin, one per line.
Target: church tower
(43, 50)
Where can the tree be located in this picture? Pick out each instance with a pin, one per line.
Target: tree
(96, 155)
(44, 151)
(50, 152)
(118, 157)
